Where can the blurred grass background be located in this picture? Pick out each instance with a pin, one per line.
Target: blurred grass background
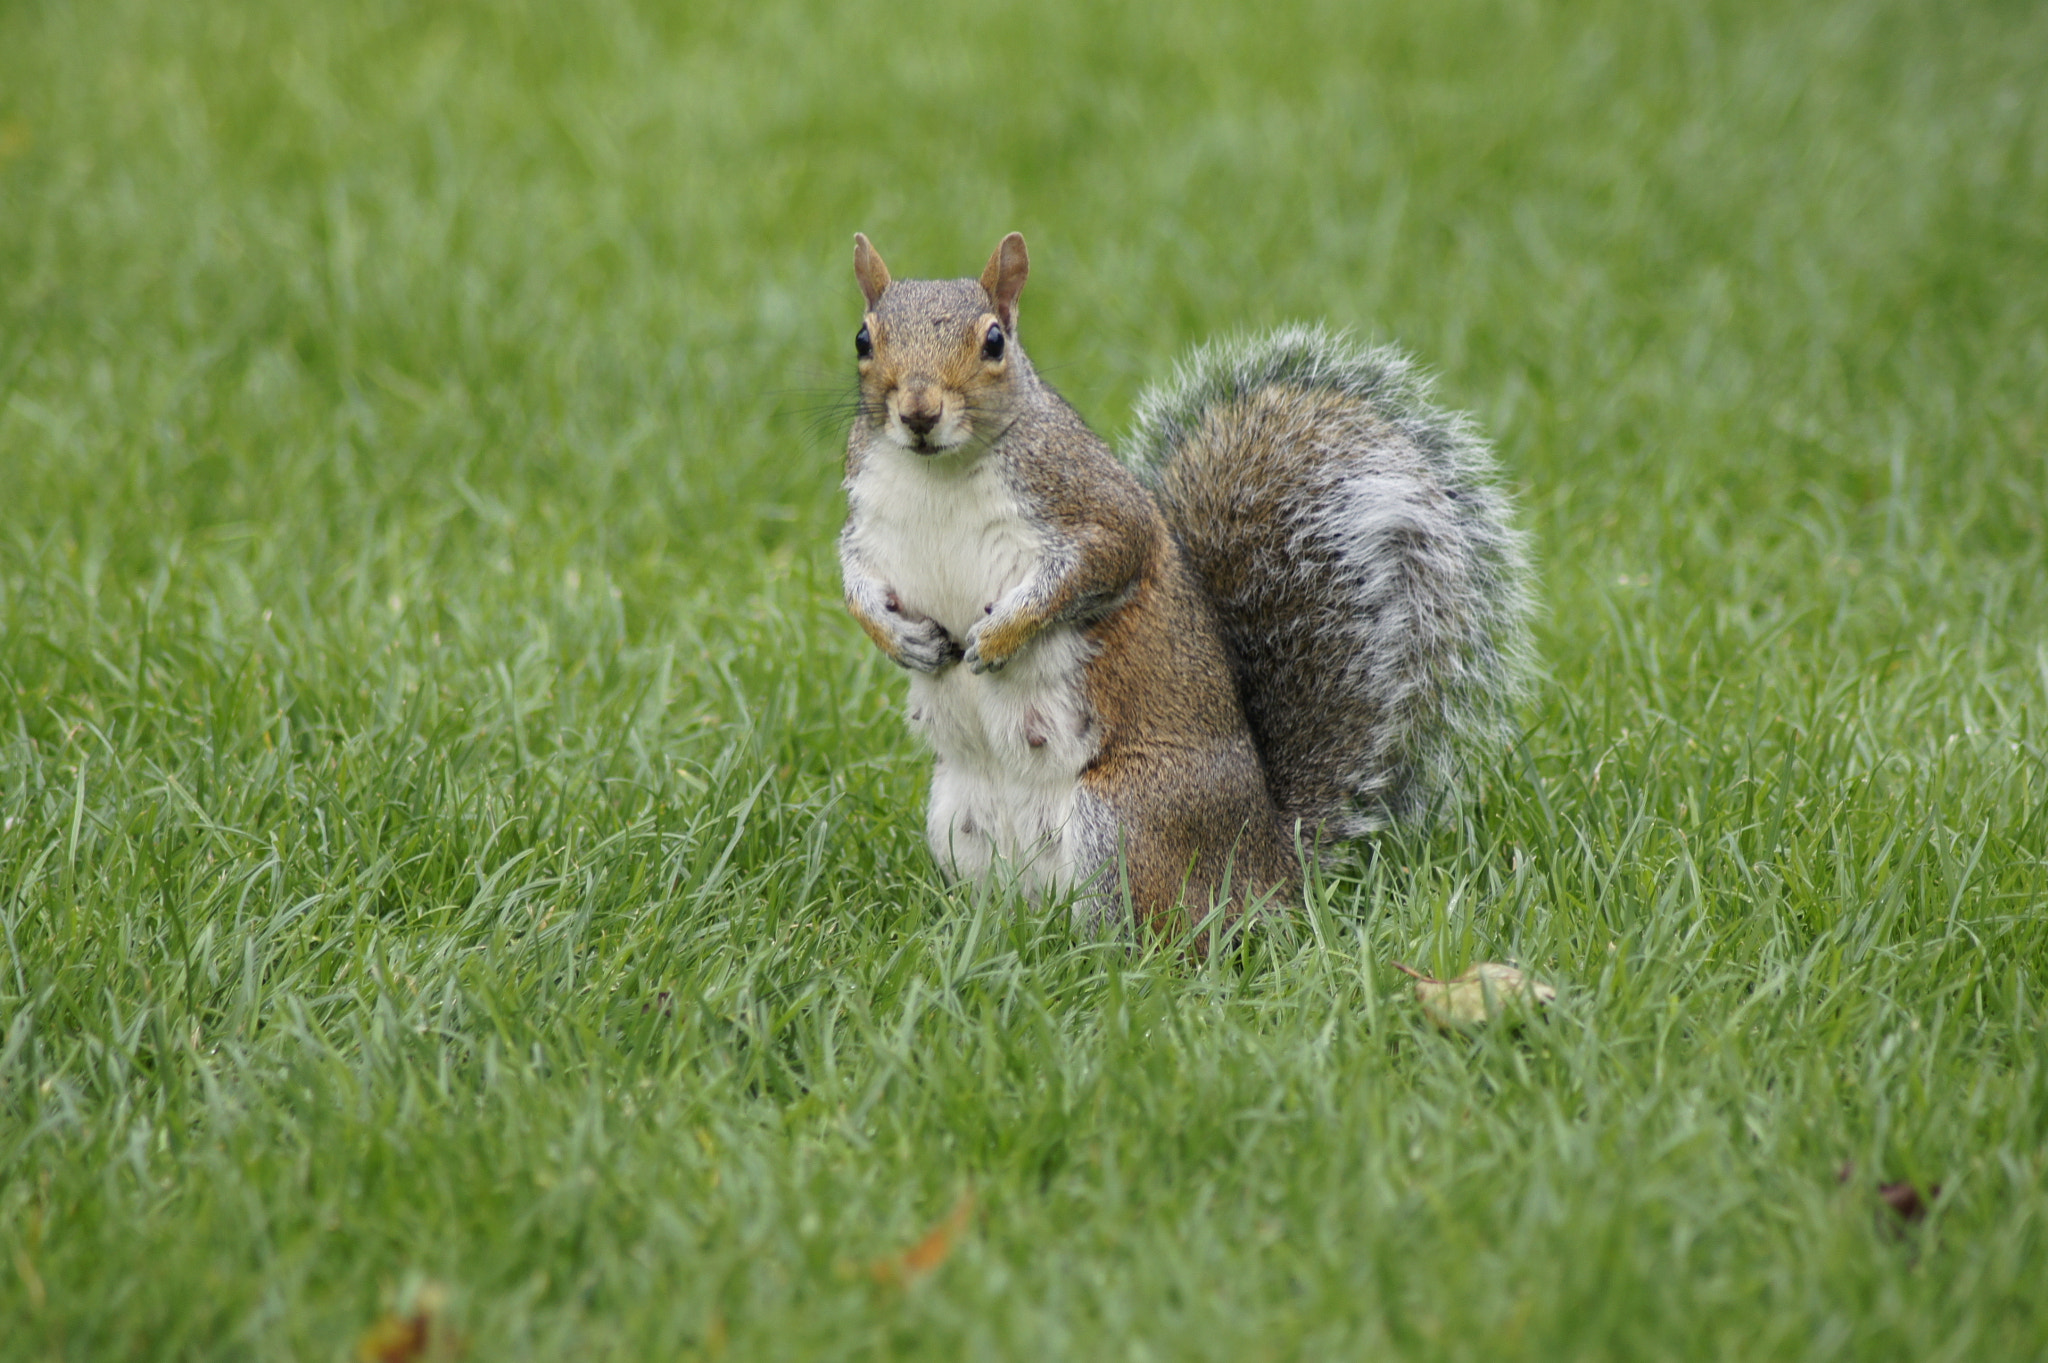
(452, 847)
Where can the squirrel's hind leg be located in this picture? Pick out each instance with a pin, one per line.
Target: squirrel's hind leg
(1089, 847)
(1173, 853)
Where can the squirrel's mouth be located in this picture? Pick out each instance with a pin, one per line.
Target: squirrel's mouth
(930, 443)
(930, 433)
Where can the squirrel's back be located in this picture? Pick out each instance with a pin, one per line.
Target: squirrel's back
(1359, 553)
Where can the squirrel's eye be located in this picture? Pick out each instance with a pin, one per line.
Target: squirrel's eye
(863, 344)
(992, 344)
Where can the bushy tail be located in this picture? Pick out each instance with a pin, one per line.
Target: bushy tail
(1372, 590)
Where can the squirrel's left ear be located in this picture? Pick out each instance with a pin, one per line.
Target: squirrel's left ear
(1004, 278)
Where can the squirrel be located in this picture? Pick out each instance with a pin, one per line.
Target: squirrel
(1158, 684)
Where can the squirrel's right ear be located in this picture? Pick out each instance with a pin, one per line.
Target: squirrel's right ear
(1004, 278)
(869, 269)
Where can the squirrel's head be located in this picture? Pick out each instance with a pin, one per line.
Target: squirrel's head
(939, 360)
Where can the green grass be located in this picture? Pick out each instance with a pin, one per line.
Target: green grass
(449, 834)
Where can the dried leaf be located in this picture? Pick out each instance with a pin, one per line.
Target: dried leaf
(396, 1339)
(928, 1253)
(410, 1336)
(1478, 996)
(1905, 1199)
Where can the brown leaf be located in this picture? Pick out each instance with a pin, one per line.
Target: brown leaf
(1905, 1199)
(396, 1339)
(1478, 996)
(929, 1252)
(406, 1337)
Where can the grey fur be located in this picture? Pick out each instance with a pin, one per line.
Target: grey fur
(1361, 560)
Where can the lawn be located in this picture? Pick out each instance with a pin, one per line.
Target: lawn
(459, 864)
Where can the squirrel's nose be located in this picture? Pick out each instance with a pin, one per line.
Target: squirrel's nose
(919, 419)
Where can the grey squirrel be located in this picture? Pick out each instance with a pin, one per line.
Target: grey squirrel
(1282, 624)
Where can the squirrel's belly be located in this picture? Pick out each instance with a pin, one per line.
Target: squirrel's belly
(1011, 745)
(949, 544)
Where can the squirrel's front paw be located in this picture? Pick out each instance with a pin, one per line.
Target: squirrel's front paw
(908, 638)
(992, 643)
(924, 646)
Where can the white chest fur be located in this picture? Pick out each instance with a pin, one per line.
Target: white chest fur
(950, 538)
